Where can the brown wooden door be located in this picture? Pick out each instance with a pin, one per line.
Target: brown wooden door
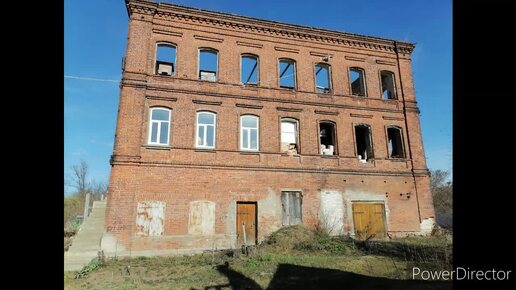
(369, 220)
(246, 223)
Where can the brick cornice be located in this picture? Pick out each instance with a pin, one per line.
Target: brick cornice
(244, 23)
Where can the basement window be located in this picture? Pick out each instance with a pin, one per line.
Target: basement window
(395, 142)
(363, 143)
(291, 202)
(328, 140)
(165, 59)
(249, 72)
(208, 64)
(289, 135)
(322, 78)
(388, 91)
(287, 73)
(356, 76)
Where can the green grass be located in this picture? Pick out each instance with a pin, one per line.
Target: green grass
(292, 246)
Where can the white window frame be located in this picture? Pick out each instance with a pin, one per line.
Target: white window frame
(158, 133)
(242, 128)
(205, 130)
(296, 129)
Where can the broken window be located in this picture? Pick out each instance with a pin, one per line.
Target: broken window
(149, 218)
(206, 130)
(159, 126)
(208, 64)
(287, 73)
(395, 142)
(363, 141)
(322, 78)
(249, 69)
(356, 76)
(249, 133)
(291, 202)
(165, 59)
(388, 92)
(328, 141)
(289, 135)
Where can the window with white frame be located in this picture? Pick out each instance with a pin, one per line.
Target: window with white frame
(159, 126)
(206, 130)
(249, 133)
(289, 135)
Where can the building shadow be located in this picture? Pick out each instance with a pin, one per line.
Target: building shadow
(299, 277)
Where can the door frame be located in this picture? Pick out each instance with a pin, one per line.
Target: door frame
(255, 219)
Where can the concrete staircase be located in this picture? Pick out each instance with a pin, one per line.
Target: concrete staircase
(86, 243)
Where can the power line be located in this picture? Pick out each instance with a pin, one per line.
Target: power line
(91, 79)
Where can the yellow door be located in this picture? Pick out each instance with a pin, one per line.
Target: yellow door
(369, 220)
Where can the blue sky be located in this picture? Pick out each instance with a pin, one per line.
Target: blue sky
(95, 34)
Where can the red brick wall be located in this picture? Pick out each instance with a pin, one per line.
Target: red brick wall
(179, 173)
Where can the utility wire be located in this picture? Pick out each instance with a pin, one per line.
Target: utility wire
(91, 79)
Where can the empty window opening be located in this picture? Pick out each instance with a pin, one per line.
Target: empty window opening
(159, 126)
(327, 137)
(165, 59)
(249, 70)
(149, 218)
(395, 142)
(289, 135)
(356, 75)
(291, 204)
(287, 73)
(206, 130)
(208, 64)
(363, 141)
(249, 133)
(322, 78)
(388, 92)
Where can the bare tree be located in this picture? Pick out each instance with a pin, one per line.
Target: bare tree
(97, 188)
(442, 192)
(79, 175)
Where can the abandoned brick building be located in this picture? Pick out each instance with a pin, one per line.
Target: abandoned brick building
(230, 127)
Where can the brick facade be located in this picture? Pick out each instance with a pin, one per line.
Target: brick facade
(179, 174)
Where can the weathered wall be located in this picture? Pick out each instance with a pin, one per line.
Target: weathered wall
(200, 188)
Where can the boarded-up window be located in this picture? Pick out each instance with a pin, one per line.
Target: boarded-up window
(149, 218)
(291, 202)
(331, 213)
(202, 218)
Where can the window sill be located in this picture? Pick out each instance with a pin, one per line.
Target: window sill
(165, 76)
(390, 100)
(250, 152)
(208, 150)
(397, 159)
(288, 90)
(157, 147)
(330, 156)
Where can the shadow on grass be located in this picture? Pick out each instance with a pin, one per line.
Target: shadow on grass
(299, 277)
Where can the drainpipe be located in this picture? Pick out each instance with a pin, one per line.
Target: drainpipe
(407, 129)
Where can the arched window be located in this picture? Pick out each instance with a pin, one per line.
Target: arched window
(249, 132)
(327, 138)
(388, 89)
(206, 130)
(165, 59)
(249, 69)
(287, 73)
(322, 78)
(357, 80)
(208, 64)
(395, 142)
(289, 135)
(363, 142)
(159, 126)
